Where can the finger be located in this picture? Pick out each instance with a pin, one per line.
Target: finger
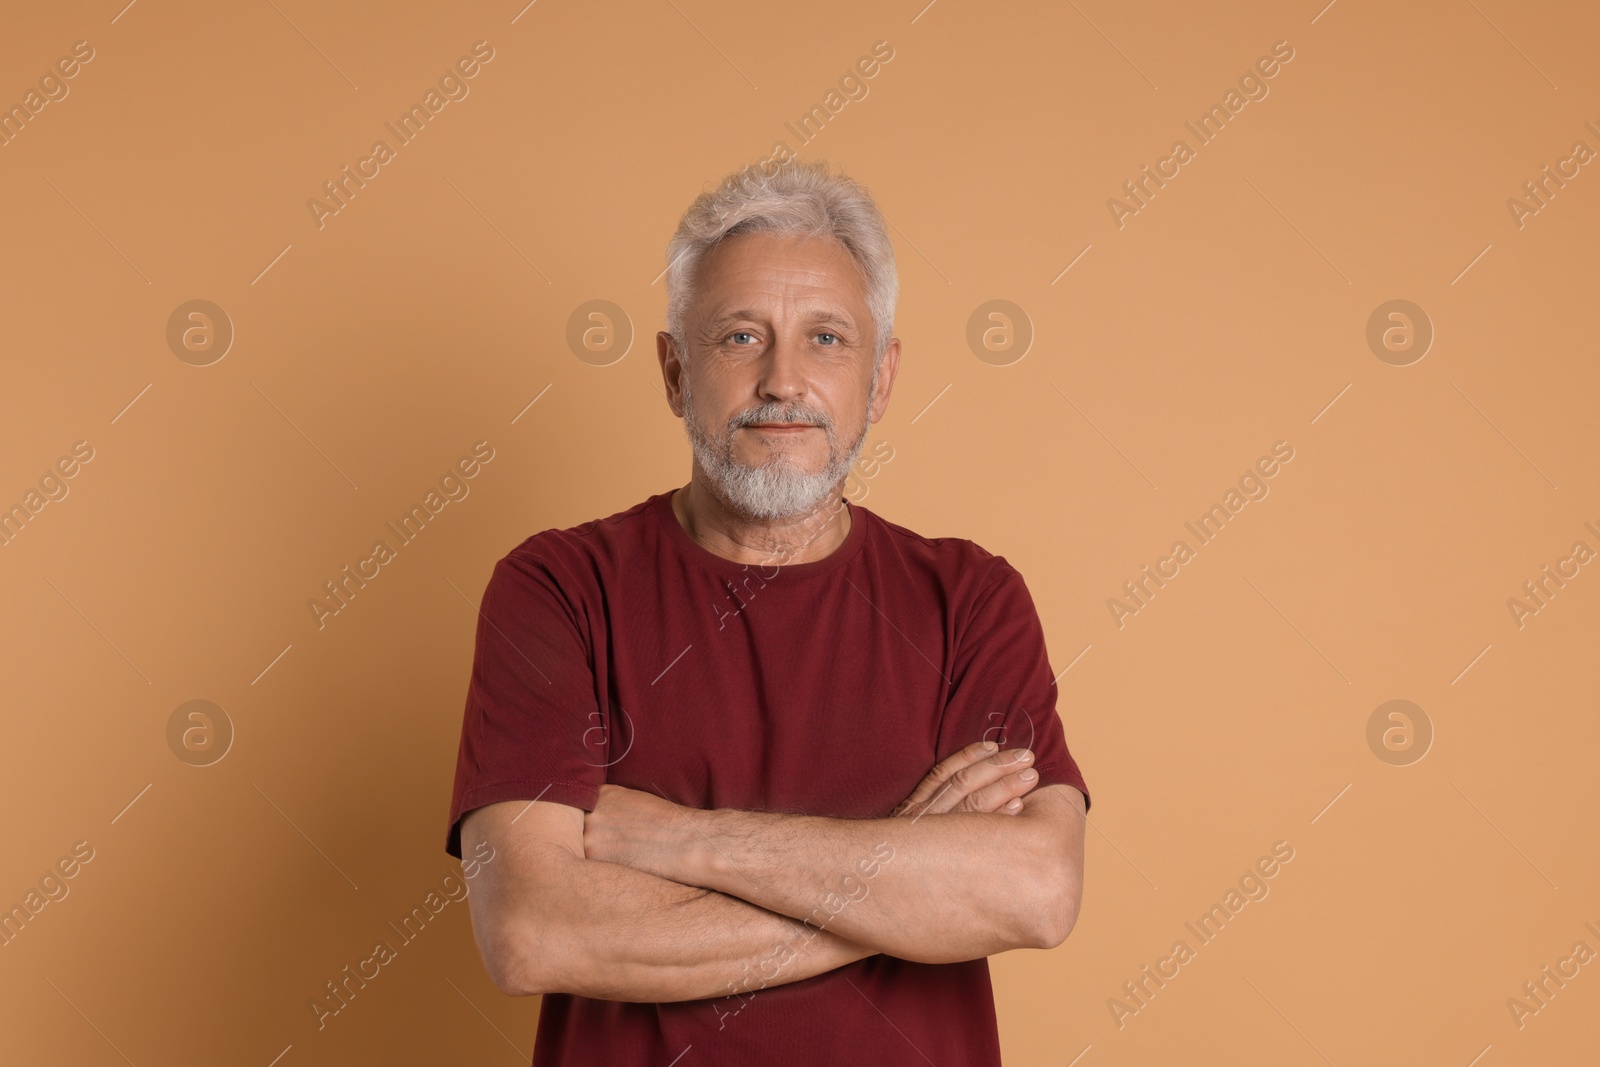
(997, 796)
(938, 779)
(978, 776)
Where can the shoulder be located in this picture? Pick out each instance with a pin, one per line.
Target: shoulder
(966, 570)
(594, 538)
(573, 561)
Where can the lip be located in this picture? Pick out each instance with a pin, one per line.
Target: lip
(783, 428)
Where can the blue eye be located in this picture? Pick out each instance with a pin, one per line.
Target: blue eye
(741, 333)
(832, 335)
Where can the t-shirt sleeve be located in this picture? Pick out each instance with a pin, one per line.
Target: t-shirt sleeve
(1002, 687)
(531, 715)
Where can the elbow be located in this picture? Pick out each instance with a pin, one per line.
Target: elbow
(514, 969)
(1055, 881)
(1055, 912)
(517, 985)
(513, 977)
(1054, 923)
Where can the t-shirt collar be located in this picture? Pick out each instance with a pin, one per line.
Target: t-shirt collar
(699, 555)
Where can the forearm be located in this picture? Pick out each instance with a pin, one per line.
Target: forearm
(614, 933)
(949, 887)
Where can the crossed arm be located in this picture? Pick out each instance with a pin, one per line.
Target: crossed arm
(646, 900)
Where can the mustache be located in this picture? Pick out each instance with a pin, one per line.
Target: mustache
(777, 413)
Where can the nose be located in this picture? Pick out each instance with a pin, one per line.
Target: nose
(782, 373)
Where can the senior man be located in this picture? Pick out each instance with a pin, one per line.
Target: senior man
(766, 776)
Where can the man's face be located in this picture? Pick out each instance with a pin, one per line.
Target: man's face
(779, 388)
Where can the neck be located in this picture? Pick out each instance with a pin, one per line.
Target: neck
(802, 538)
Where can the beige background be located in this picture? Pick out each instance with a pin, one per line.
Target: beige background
(1228, 314)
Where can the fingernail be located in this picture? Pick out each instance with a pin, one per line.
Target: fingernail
(1028, 776)
(990, 746)
(1025, 757)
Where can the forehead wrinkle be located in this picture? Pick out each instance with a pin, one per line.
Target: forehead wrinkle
(765, 289)
(818, 313)
(826, 302)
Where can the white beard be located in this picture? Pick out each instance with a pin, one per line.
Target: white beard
(777, 489)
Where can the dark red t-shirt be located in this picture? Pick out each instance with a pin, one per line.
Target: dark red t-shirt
(621, 650)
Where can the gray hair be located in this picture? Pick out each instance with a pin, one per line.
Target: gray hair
(801, 199)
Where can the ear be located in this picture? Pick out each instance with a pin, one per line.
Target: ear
(672, 370)
(886, 375)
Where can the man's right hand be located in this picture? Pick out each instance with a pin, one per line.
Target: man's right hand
(977, 778)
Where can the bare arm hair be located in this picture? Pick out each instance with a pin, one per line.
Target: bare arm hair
(546, 919)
